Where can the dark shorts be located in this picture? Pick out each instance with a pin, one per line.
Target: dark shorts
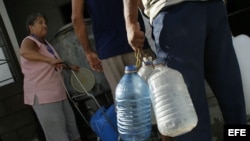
(195, 39)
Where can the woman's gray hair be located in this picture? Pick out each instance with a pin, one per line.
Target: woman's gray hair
(31, 19)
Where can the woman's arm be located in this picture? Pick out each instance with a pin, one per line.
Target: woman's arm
(30, 51)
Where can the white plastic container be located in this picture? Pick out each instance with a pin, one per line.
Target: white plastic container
(174, 110)
(146, 69)
(144, 72)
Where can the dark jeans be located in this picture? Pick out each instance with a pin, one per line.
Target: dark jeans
(195, 39)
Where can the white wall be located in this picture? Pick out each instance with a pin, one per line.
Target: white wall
(9, 28)
(18, 10)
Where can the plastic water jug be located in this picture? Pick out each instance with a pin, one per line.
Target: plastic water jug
(105, 126)
(133, 107)
(175, 114)
(144, 72)
(146, 69)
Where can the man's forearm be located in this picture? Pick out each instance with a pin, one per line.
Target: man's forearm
(130, 11)
(79, 25)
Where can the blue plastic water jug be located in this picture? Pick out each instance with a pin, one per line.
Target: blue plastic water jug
(133, 107)
(105, 126)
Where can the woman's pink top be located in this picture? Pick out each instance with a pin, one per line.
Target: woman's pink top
(41, 79)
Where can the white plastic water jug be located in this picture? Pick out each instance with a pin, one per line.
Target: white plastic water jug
(174, 111)
(144, 72)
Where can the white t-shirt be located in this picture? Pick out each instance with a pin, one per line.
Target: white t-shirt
(153, 7)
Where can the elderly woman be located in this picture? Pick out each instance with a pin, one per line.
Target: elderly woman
(43, 85)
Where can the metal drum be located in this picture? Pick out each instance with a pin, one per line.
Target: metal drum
(68, 47)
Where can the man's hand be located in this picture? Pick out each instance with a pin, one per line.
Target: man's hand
(135, 36)
(94, 61)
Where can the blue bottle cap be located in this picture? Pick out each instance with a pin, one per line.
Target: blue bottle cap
(130, 68)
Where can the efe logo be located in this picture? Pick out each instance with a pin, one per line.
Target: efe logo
(236, 132)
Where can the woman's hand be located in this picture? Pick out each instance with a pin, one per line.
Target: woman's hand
(75, 68)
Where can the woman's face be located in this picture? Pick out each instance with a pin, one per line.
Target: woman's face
(39, 28)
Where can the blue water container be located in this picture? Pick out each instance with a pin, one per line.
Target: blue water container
(104, 123)
(133, 107)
